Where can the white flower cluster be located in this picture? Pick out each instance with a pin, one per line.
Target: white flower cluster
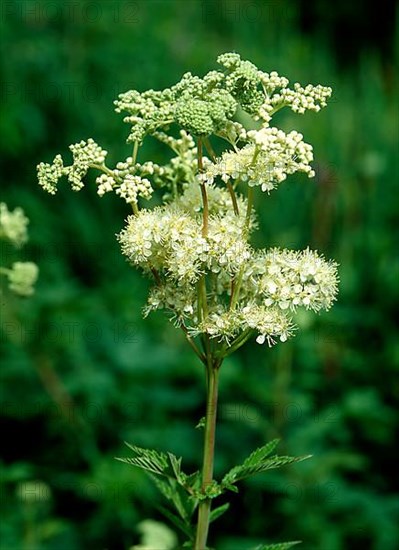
(21, 278)
(272, 81)
(168, 240)
(134, 186)
(127, 179)
(13, 228)
(289, 279)
(195, 245)
(267, 161)
(85, 154)
(105, 184)
(13, 225)
(301, 99)
(49, 174)
(270, 323)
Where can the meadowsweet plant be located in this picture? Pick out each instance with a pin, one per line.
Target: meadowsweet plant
(21, 276)
(195, 243)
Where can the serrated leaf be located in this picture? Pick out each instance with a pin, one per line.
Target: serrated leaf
(165, 464)
(262, 452)
(255, 458)
(176, 466)
(278, 546)
(258, 462)
(147, 459)
(217, 512)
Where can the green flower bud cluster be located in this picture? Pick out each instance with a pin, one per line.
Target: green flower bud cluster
(147, 112)
(21, 276)
(243, 82)
(201, 106)
(205, 117)
(262, 94)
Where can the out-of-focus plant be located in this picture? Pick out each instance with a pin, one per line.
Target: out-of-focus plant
(195, 247)
(21, 276)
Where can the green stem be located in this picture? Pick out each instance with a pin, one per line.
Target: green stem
(235, 344)
(204, 508)
(104, 169)
(250, 199)
(230, 188)
(209, 148)
(135, 151)
(233, 198)
(193, 345)
(205, 210)
(236, 286)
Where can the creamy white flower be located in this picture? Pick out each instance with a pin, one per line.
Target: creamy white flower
(21, 277)
(105, 184)
(13, 225)
(289, 279)
(271, 156)
(134, 186)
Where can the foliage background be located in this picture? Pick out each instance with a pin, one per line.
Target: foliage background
(82, 372)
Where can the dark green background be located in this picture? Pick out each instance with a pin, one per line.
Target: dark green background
(82, 372)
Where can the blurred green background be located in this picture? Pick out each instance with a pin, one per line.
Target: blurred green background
(82, 372)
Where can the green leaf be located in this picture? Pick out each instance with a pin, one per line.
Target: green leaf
(217, 512)
(258, 462)
(176, 466)
(262, 452)
(177, 522)
(165, 487)
(147, 459)
(170, 490)
(165, 464)
(278, 546)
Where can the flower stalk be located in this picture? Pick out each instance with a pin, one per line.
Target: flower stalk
(204, 508)
(195, 245)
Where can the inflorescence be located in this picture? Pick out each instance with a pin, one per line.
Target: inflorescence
(21, 276)
(196, 245)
